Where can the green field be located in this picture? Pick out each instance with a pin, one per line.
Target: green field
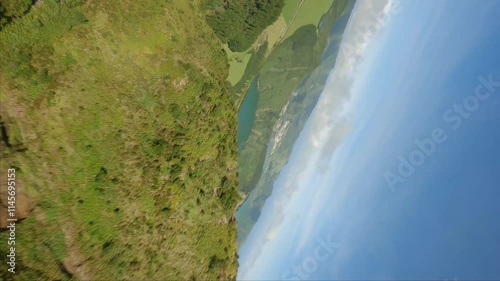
(274, 32)
(289, 9)
(310, 12)
(237, 64)
(118, 121)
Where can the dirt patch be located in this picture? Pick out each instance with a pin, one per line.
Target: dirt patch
(74, 263)
(180, 85)
(23, 203)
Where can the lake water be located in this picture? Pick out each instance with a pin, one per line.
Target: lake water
(246, 115)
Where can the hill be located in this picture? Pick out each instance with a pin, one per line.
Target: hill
(116, 116)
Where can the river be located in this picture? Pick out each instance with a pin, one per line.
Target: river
(246, 115)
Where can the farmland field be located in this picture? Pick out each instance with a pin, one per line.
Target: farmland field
(289, 9)
(310, 12)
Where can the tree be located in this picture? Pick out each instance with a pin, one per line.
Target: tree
(239, 23)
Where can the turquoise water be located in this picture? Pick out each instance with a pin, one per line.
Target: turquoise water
(246, 115)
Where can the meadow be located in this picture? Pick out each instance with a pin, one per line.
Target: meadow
(289, 9)
(309, 12)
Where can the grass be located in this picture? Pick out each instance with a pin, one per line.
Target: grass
(310, 12)
(131, 141)
(238, 62)
(274, 32)
(289, 9)
(251, 71)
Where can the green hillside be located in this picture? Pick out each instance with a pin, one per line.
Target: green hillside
(116, 116)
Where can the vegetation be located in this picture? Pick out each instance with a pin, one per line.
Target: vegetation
(252, 69)
(239, 23)
(237, 63)
(289, 9)
(117, 118)
(13, 9)
(309, 12)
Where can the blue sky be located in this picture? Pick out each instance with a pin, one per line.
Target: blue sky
(333, 215)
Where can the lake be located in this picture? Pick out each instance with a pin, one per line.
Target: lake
(246, 115)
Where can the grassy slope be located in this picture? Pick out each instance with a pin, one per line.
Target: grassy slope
(127, 185)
